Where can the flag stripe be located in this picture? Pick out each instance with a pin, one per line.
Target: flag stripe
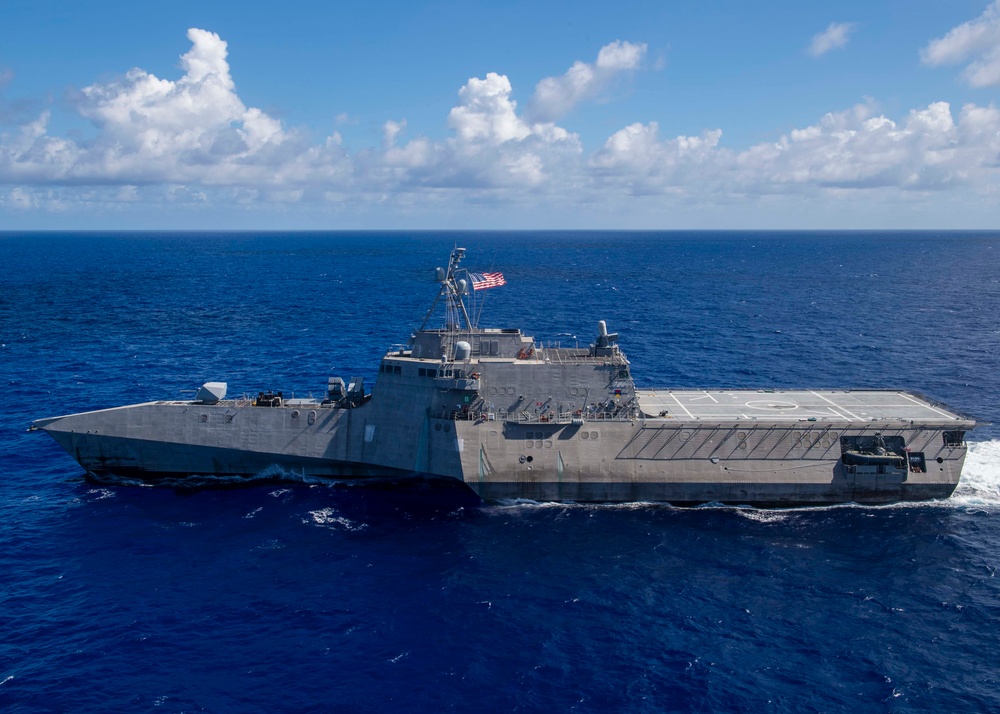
(481, 281)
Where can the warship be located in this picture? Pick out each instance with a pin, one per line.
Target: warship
(514, 419)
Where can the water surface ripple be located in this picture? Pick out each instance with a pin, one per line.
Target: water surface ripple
(305, 596)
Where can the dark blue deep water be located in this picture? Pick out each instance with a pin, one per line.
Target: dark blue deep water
(318, 597)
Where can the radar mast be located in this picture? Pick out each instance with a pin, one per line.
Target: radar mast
(452, 290)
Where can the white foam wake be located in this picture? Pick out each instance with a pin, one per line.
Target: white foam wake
(980, 484)
(330, 518)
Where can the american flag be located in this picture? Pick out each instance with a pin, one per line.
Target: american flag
(481, 281)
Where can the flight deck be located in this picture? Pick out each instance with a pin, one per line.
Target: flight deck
(792, 405)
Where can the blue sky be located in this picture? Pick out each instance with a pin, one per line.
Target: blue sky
(715, 114)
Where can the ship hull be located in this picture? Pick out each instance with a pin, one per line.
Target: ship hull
(156, 461)
(664, 460)
(776, 495)
(686, 464)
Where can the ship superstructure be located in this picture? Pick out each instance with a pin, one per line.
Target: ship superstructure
(512, 418)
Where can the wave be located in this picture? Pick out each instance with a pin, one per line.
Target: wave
(980, 484)
(270, 475)
(330, 518)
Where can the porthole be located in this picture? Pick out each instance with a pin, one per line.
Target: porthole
(593, 435)
(530, 459)
(584, 434)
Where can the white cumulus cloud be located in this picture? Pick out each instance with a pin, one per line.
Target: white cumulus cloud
(833, 37)
(391, 130)
(149, 130)
(978, 40)
(485, 111)
(636, 155)
(175, 129)
(931, 149)
(555, 97)
(493, 146)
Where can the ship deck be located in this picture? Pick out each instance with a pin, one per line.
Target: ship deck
(793, 405)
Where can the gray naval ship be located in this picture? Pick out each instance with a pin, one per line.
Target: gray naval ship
(513, 419)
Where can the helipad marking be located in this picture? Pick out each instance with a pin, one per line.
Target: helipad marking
(836, 406)
(911, 399)
(681, 405)
(770, 404)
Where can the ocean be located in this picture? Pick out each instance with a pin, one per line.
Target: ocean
(301, 596)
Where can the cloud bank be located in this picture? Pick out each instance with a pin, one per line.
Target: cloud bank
(930, 150)
(193, 141)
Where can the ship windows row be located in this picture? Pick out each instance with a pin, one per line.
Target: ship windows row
(386, 368)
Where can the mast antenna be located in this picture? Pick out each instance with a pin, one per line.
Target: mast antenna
(452, 291)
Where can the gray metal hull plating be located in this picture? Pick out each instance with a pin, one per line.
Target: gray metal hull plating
(684, 463)
(647, 459)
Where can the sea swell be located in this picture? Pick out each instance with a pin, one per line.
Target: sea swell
(302, 594)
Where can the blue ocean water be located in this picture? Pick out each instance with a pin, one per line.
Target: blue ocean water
(311, 596)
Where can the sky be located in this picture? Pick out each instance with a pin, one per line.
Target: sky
(639, 114)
